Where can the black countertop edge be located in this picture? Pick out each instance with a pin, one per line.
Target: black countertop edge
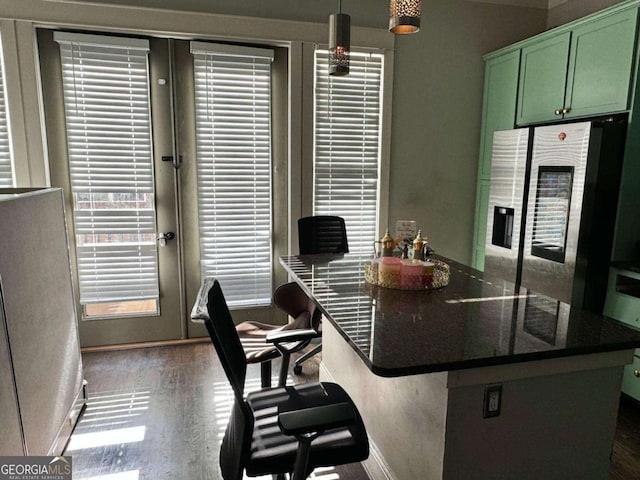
(481, 362)
(496, 361)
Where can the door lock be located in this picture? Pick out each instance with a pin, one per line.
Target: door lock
(164, 237)
(170, 158)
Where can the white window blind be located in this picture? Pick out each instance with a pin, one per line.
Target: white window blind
(6, 162)
(347, 145)
(233, 142)
(106, 98)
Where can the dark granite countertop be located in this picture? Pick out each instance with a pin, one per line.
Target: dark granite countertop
(474, 321)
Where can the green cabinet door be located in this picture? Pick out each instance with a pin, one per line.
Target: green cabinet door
(498, 113)
(498, 109)
(623, 304)
(480, 234)
(600, 65)
(543, 75)
(631, 378)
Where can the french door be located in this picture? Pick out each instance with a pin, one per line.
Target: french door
(157, 180)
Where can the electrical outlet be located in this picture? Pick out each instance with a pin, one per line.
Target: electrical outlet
(492, 401)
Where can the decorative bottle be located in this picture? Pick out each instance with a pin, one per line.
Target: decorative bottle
(418, 244)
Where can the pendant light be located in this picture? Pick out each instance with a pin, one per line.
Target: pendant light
(339, 42)
(404, 16)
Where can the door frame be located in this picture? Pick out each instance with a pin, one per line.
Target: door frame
(168, 324)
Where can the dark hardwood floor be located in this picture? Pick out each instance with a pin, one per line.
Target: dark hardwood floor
(160, 413)
(625, 459)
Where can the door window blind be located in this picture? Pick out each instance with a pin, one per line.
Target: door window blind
(6, 162)
(106, 99)
(233, 143)
(347, 145)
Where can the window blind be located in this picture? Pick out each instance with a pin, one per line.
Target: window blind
(106, 99)
(233, 144)
(347, 145)
(6, 162)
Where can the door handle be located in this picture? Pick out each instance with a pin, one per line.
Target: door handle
(164, 237)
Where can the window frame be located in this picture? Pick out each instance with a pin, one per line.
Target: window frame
(7, 165)
(247, 245)
(308, 136)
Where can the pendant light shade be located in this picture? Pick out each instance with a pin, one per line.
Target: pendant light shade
(404, 16)
(339, 43)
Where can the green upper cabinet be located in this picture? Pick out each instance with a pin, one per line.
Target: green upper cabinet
(582, 69)
(579, 72)
(498, 113)
(498, 109)
(600, 65)
(543, 78)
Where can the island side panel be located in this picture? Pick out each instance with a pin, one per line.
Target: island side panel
(553, 427)
(404, 416)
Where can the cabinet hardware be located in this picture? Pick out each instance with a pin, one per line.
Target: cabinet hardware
(636, 373)
(565, 110)
(558, 111)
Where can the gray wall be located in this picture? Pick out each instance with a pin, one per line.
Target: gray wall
(364, 13)
(437, 106)
(573, 9)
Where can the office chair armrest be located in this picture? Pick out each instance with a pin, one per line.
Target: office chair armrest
(316, 419)
(294, 335)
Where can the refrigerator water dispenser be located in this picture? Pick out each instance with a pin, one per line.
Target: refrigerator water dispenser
(502, 226)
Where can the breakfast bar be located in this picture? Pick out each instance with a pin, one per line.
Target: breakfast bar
(478, 379)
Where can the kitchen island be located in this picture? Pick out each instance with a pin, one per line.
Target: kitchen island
(422, 367)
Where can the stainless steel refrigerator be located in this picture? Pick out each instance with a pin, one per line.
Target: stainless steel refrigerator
(552, 208)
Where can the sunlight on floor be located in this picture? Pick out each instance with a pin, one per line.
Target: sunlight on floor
(118, 425)
(109, 409)
(322, 473)
(118, 436)
(129, 475)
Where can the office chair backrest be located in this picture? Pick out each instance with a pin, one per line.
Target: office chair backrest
(291, 299)
(225, 340)
(322, 234)
(237, 438)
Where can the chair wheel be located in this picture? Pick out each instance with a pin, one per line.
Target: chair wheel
(297, 369)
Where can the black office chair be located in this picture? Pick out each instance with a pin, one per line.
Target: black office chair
(320, 234)
(263, 342)
(291, 429)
